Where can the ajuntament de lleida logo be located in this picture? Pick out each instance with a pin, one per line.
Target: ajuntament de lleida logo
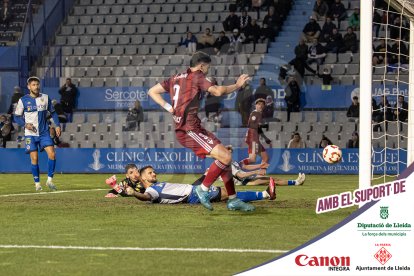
(384, 212)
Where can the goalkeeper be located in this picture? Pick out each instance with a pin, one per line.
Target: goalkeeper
(132, 180)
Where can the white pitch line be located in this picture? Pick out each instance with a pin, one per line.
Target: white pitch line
(51, 193)
(227, 250)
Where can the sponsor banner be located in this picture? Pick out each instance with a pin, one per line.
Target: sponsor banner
(377, 239)
(282, 161)
(121, 98)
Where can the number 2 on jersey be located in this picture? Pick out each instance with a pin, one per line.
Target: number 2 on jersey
(176, 93)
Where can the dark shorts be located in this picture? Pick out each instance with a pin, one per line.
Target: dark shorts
(254, 147)
(200, 141)
(33, 143)
(214, 193)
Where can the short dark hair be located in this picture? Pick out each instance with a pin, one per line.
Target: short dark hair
(33, 78)
(130, 166)
(144, 168)
(199, 57)
(260, 100)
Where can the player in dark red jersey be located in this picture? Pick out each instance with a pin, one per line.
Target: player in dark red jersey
(187, 90)
(253, 134)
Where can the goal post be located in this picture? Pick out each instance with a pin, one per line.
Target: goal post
(391, 138)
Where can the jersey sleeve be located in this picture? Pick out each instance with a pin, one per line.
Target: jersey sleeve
(254, 120)
(19, 108)
(153, 193)
(166, 84)
(204, 83)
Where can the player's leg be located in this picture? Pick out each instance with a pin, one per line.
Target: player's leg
(252, 150)
(264, 155)
(245, 196)
(34, 158)
(51, 164)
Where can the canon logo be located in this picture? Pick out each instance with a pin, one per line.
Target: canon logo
(303, 260)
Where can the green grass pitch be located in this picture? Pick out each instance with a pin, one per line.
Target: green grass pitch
(88, 219)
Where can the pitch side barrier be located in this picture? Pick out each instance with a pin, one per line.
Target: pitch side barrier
(182, 161)
(122, 98)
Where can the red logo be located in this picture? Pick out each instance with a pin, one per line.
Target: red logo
(304, 260)
(383, 255)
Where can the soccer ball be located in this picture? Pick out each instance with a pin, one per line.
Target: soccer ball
(332, 154)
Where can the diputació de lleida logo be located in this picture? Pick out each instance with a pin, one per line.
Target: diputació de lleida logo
(384, 212)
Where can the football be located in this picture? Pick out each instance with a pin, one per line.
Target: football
(332, 154)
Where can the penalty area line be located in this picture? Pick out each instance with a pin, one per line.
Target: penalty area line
(225, 250)
(52, 193)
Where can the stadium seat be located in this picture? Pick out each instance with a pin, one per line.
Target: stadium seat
(111, 61)
(97, 82)
(111, 82)
(325, 116)
(105, 72)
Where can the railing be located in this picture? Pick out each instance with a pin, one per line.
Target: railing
(35, 41)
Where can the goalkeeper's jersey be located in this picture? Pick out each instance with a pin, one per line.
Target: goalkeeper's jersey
(127, 182)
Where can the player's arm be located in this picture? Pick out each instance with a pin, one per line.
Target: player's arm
(18, 114)
(242, 174)
(219, 90)
(255, 166)
(54, 117)
(155, 93)
(143, 197)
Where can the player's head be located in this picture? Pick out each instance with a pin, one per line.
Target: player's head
(132, 173)
(200, 61)
(260, 104)
(296, 136)
(148, 174)
(33, 84)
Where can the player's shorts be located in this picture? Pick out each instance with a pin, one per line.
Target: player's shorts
(214, 194)
(33, 143)
(255, 147)
(200, 141)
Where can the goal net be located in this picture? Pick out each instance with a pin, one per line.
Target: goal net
(392, 65)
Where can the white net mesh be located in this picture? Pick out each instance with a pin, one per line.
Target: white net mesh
(391, 44)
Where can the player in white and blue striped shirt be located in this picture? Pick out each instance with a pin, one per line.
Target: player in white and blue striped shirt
(170, 193)
(31, 113)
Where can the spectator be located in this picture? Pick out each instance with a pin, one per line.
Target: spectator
(222, 44)
(326, 76)
(301, 55)
(15, 98)
(379, 56)
(320, 9)
(384, 111)
(134, 117)
(244, 100)
(338, 12)
(56, 140)
(325, 141)
(269, 109)
(245, 20)
(190, 42)
(292, 97)
(207, 39)
(231, 22)
(377, 21)
(398, 55)
(5, 13)
(395, 28)
(212, 104)
(401, 109)
(272, 23)
(59, 110)
(253, 32)
(5, 129)
(327, 30)
(68, 93)
(350, 42)
(236, 41)
(353, 110)
(296, 142)
(353, 20)
(316, 53)
(353, 143)
(312, 30)
(334, 41)
(263, 90)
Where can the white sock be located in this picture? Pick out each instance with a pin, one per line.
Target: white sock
(37, 183)
(49, 179)
(265, 194)
(204, 188)
(232, 196)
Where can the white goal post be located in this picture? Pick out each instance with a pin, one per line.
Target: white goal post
(406, 9)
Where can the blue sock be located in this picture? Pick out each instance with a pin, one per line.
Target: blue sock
(35, 173)
(51, 167)
(249, 196)
(291, 182)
